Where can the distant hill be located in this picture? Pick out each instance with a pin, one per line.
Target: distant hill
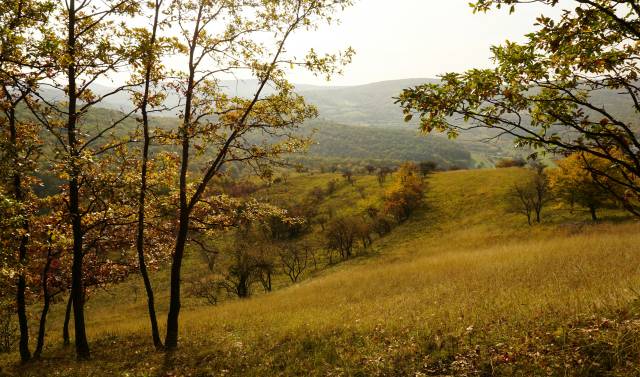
(369, 105)
(363, 122)
(363, 105)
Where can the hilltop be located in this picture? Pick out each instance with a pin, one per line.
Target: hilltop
(463, 287)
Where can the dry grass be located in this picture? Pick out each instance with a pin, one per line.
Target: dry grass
(446, 292)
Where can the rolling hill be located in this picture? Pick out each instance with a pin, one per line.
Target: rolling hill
(462, 288)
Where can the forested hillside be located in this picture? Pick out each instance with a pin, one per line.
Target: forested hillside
(340, 141)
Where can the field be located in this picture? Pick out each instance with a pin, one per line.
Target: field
(464, 287)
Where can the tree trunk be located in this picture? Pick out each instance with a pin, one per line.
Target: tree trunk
(66, 339)
(243, 289)
(155, 332)
(25, 354)
(171, 339)
(21, 286)
(77, 290)
(594, 215)
(45, 307)
(42, 327)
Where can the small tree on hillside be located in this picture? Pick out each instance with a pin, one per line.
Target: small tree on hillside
(332, 186)
(370, 169)
(347, 174)
(363, 230)
(405, 195)
(317, 194)
(427, 167)
(533, 194)
(238, 266)
(341, 236)
(294, 258)
(382, 175)
(510, 162)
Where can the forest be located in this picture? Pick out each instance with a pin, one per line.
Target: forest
(154, 221)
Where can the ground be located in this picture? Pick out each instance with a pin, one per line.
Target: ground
(465, 287)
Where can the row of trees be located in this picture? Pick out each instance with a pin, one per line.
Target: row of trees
(570, 183)
(259, 251)
(133, 187)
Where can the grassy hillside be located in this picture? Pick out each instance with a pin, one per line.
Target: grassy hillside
(463, 288)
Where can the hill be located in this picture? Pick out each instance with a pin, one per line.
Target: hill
(465, 287)
(334, 141)
(369, 104)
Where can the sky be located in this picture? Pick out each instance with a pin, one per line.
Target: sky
(397, 39)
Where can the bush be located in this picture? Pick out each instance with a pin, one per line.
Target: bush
(427, 167)
(405, 195)
(241, 189)
(381, 225)
(341, 235)
(317, 194)
(510, 163)
(332, 186)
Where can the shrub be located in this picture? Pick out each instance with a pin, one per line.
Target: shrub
(341, 235)
(510, 162)
(332, 186)
(405, 195)
(427, 167)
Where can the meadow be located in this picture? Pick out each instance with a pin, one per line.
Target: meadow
(464, 287)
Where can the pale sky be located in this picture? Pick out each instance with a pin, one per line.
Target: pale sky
(397, 39)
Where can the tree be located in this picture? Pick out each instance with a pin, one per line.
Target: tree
(332, 186)
(511, 162)
(52, 263)
(347, 174)
(317, 194)
(216, 38)
(240, 268)
(427, 167)
(21, 26)
(152, 49)
(382, 174)
(294, 258)
(533, 194)
(341, 236)
(370, 169)
(363, 230)
(86, 41)
(405, 195)
(572, 182)
(562, 91)
(266, 264)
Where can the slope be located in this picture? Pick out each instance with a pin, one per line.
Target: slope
(465, 287)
